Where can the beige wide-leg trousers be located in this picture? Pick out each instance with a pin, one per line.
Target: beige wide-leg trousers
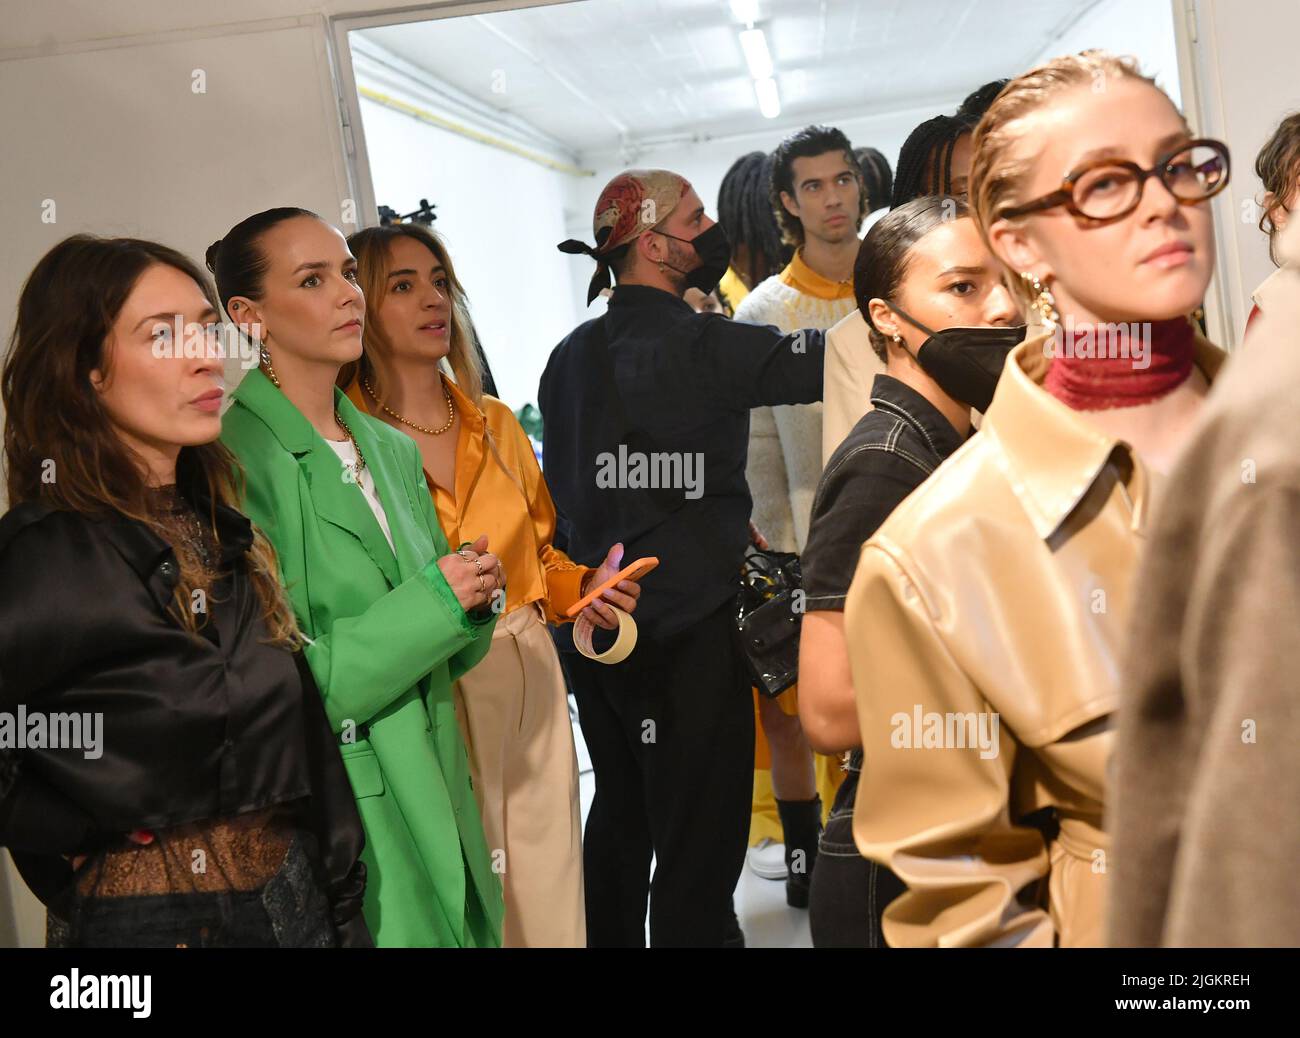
(514, 717)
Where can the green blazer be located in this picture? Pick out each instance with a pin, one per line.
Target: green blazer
(388, 638)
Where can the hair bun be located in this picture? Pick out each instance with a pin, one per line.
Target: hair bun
(210, 257)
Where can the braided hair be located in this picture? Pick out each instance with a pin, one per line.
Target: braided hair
(925, 161)
(877, 177)
(972, 110)
(746, 215)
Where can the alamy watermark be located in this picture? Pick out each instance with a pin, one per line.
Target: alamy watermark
(218, 340)
(131, 991)
(671, 470)
(59, 731)
(920, 730)
(1129, 341)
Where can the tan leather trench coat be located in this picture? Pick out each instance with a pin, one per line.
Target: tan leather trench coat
(985, 624)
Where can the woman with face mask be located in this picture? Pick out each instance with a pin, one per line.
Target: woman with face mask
(921, 267)
(988, 613)
(201, 801)
(392, 617)
(483, 476)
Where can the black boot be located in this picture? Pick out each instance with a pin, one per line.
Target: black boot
(802, 822)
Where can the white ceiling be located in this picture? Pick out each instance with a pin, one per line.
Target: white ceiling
(594, 73)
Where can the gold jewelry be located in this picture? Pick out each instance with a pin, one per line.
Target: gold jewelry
(360, 466)
(480, 584)
(451, 409)
(266, 364)
(1044, 302)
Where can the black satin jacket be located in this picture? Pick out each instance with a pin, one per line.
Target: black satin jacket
(193, 727)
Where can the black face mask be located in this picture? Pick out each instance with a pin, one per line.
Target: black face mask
(966, 362)
(714, 250)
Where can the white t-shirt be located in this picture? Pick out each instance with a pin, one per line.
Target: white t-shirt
(348, 456)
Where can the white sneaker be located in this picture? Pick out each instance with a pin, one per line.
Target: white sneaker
(767, 859)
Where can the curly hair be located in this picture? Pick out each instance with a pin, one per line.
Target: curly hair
(1278, 166)
(805, 144)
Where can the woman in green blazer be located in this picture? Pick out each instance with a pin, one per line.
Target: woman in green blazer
(384, 605)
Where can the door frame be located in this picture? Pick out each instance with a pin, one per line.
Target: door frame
(355, 155)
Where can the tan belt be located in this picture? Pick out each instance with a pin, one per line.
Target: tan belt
(1081, 839)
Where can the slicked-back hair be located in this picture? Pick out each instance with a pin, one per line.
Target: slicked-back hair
(883, 256)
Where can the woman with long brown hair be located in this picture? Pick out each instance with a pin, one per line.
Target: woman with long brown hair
(203, 794)
(483, 476)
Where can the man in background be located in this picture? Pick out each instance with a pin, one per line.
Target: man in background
(670, 728)
(817, 195)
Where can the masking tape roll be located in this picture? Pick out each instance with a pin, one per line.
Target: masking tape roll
(623, 645)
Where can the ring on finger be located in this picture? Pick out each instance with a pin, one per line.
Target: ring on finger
(481, 585)
(478, 565)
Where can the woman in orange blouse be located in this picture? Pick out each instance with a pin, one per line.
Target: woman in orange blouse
(483, 476)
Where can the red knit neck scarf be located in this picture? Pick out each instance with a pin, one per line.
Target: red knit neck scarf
(1086, 376)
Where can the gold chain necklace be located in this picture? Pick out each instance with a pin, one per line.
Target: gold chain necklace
(360, 466)
(451, 410)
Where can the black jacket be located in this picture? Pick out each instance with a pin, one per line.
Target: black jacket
(658, 377)
(889, 453)
(194, 727)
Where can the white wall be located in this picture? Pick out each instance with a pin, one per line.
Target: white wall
(1247, 54)
(1142, 28)
(501, 215)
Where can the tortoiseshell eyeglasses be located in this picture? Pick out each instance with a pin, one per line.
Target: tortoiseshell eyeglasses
(1106, 189)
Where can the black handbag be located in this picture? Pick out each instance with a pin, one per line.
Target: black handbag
(767, 622)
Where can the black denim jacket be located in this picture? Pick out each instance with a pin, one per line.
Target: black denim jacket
(886, 456)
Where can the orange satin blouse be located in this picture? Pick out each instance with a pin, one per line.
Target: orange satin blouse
(520, 524)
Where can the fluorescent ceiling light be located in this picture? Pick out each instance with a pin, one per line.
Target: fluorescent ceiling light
(745, 11)
(757, 56)
(769, 102)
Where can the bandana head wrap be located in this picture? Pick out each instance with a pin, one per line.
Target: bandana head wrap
(633, 202)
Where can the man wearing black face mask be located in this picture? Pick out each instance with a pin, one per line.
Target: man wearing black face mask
(920, 415)
(646, 417)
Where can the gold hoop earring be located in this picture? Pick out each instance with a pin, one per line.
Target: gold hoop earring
(1044, 303)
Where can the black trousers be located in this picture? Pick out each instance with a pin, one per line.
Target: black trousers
(849, 892)
(670, 731)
